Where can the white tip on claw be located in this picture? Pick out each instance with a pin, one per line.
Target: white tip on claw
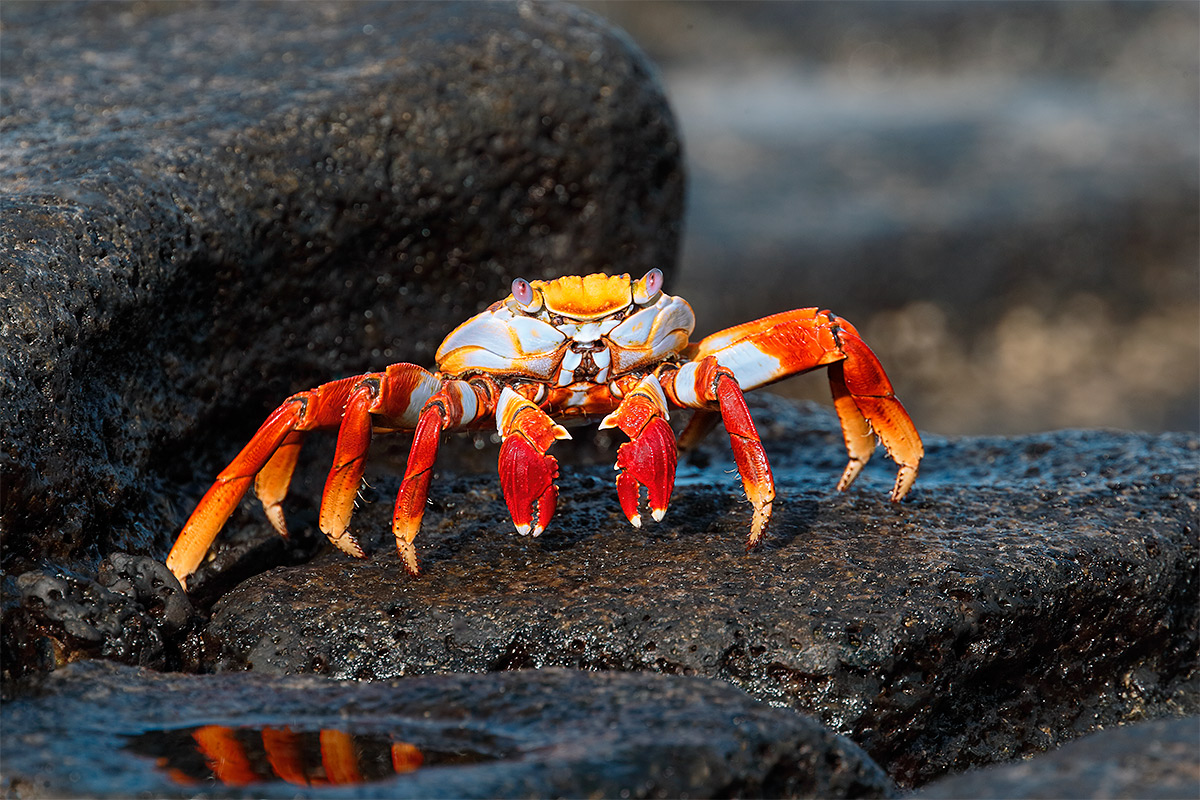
(523, 530)
(636, 520)
(658, 514)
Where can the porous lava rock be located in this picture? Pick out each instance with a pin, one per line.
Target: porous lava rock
(135, 612)
(1157, 760)
(97, 729)
(205, 207)
(1032, 589)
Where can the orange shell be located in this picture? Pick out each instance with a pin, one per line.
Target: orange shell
(586, 297)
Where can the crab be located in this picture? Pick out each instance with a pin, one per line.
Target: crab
(550, 354)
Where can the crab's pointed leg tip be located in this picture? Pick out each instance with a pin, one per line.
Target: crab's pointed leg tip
(537, 531)
(524, 529)
(345, 541)
(635, 520)
(904, 481)
(408, 554)
(274, 514)
(758, 524)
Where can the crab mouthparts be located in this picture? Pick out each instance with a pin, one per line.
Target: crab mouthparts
(585, 362)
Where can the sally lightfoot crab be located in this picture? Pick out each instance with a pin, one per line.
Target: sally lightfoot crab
(564, 351)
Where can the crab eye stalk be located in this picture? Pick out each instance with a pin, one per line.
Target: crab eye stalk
(528, 300)
(647, 289)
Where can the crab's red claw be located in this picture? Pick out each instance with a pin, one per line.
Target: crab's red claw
(526, 473)
(650, 456)
(527, 480)
(650, 461)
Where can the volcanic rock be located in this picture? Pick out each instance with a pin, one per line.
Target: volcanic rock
(1031, 590)
(96, 729)
(1150, 760)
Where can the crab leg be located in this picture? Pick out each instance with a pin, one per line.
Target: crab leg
(338, 758)
(310, 410)
(865, 402)
(397, 396)
(457, 404)
(775, 347)
(526, 473)
(649, 457)
(269, 459)
(703, 383)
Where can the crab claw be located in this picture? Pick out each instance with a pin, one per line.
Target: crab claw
(527, 479)
(526, 473)
(650, 456)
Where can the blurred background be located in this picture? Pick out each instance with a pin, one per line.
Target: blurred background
(1003, 197)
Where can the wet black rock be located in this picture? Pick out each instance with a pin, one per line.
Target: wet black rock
(205, 207)
(1157, 760)
(96, 729)
(135, 613)
(151, 584)
(1031, 590)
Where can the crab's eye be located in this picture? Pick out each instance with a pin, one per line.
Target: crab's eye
(522, 292)
(648, 287)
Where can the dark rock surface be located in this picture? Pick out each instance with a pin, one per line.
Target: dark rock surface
(135, 612)
(1157, 760)
(544, 733)
(1031, 590)
(205, 207)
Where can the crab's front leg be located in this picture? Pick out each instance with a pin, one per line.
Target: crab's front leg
(706, 383)
(527, 473)
(650, 456)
